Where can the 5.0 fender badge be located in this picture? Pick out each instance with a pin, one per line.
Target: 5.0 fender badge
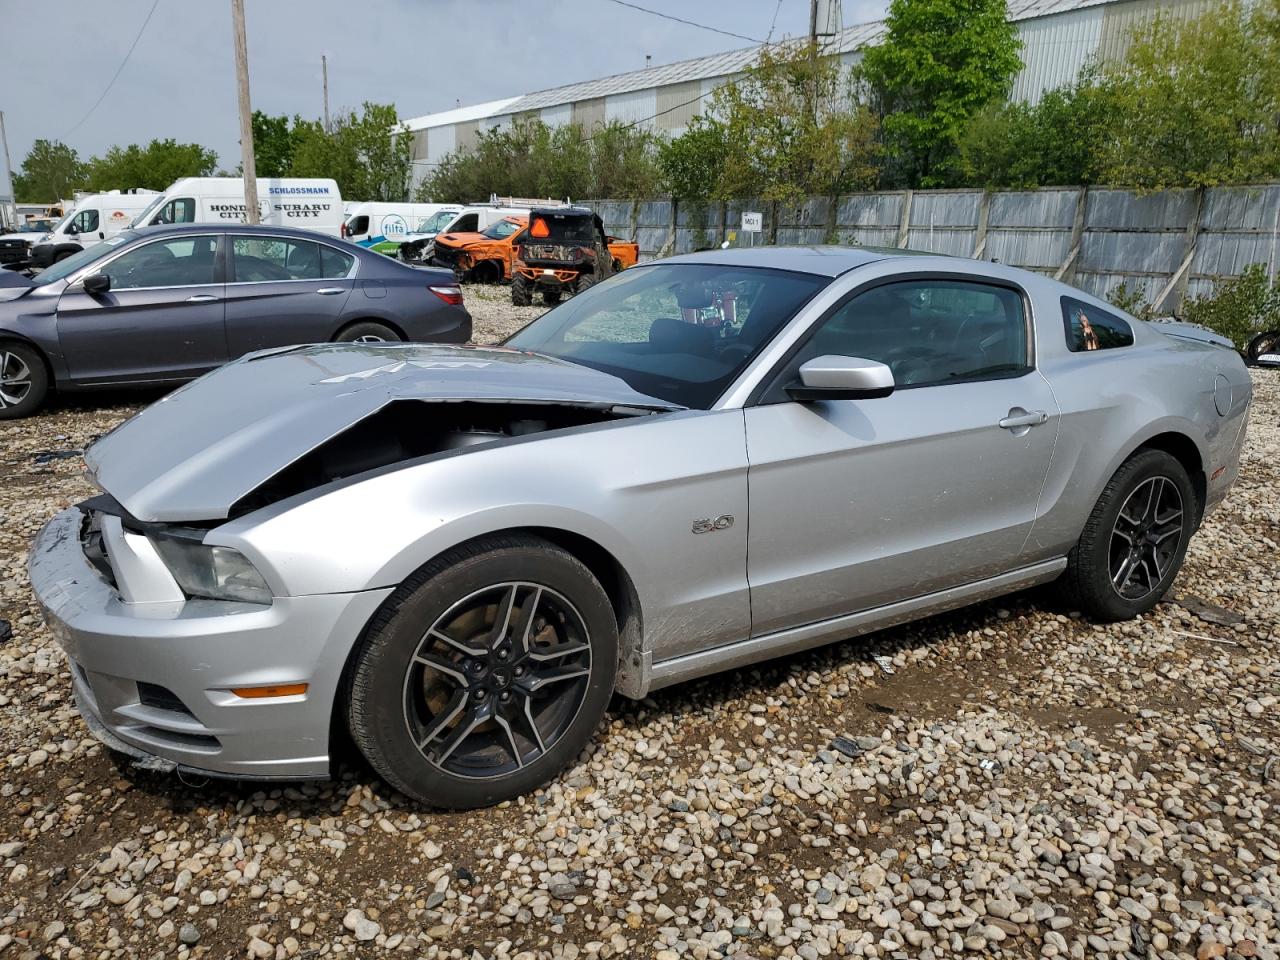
(711, 524)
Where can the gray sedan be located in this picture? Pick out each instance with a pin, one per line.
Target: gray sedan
(458, 554)
(162, 305)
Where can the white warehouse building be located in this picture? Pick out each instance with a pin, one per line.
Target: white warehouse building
(1059, 37)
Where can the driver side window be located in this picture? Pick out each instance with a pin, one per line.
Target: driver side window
(928, 332)
(86, 221)
(177, 211)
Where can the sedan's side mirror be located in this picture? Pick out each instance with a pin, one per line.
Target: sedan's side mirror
(842, 378)
(96, 284)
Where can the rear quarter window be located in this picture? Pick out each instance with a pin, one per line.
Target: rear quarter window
(1092, 328)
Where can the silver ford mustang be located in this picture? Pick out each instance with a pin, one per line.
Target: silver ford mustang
(457, 554)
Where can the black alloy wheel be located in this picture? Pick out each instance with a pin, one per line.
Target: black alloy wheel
(1145, 537)
(485, 673)
(497, 679)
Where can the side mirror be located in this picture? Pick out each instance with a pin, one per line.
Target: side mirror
(72, 230)
(96, 284)
(842, 378)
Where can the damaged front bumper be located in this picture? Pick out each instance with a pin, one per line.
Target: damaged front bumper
(154, 679)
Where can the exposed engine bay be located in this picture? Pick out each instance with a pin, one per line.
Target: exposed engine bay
(405, 430)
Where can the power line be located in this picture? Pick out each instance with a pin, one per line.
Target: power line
(688, 23)
(114, 76)
(773, 24)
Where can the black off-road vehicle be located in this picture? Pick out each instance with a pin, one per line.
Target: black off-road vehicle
(564, 250)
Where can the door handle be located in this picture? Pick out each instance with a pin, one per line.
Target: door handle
(1021, 418)
(201, 298)
(330, 291)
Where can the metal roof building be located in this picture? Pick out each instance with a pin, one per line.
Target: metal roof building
(1058, 36)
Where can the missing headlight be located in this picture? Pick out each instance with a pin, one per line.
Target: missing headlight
(215, 573)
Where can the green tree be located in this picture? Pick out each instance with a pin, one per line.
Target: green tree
(50, 171)
(528, 158)
(368, 154)
(1059, 141)
(940, 63)
(382, 149)
(1198, 100)
(691, 163)
(792, 126)
(154, 166)
(273, 145)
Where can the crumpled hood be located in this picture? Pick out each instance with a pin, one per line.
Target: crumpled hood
(193, 454)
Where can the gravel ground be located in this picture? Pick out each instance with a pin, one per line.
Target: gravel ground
(1008, 780)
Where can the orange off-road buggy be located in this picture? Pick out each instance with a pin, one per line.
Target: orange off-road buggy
(565, 249)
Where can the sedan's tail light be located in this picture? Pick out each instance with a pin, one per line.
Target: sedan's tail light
(451, 294)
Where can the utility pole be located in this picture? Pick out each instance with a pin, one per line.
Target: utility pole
(8, 177)
(813, 58)
(246, 115)
(324, 69)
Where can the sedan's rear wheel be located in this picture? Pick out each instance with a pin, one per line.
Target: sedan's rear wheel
(367, 332)
(484, 674)
(1135, 540)
(24, 380)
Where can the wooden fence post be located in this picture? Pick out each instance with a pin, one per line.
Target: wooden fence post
(980, 235)
(904, 222)
(1077, 232)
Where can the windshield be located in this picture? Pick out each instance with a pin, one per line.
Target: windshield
(436, 222)
(502, 229)
(65, 220)
(64, 268)
(681, 332)
(141, 218)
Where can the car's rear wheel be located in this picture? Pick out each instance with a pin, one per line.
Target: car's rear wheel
(1135, 540)
(484, 674)
(24, 380)
(521, 293)
(367, 331)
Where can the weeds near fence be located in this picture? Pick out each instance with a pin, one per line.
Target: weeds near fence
(1239, 307)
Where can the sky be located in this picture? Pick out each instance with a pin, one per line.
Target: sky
(421, 55)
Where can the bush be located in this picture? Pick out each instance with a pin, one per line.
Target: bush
(1132, 302)
(1238, 308)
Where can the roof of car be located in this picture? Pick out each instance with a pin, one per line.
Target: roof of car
(563, 211)
(824, 261)
(163, 228)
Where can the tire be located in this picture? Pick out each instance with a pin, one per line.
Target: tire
(521, 294)
(487, 271)
(367, 331)
(396, 698)
(585, 282)
(1099, 558)
(1267, 342)
(550, 297)
(24, 380)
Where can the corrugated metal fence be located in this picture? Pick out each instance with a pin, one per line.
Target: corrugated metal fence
(1169, 245)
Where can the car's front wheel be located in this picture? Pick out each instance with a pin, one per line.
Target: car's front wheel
(24, 380)
(484, 674)
(1135, 540)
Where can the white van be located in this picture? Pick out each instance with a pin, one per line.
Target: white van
(308, 204)
(384, 226)
(94, 218)
(419, 248)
